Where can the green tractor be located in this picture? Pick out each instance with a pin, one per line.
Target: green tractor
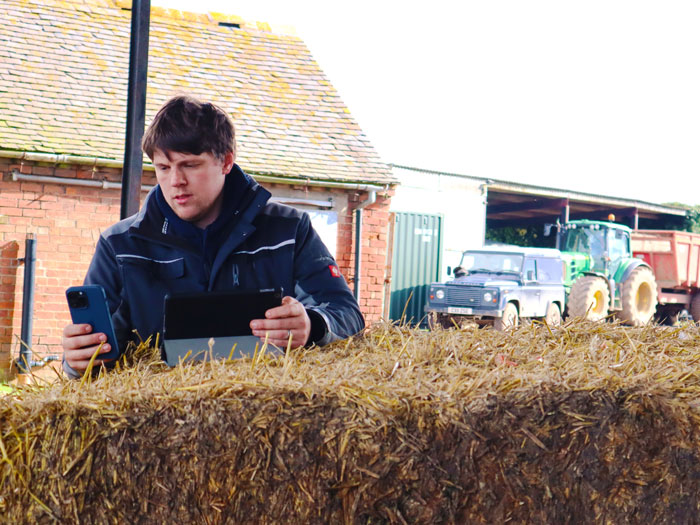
(601, 276)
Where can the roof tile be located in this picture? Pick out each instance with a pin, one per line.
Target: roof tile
(64, 80)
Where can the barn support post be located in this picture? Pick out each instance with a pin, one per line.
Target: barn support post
(135, 107)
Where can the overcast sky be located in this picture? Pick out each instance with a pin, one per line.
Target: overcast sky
(596, 96)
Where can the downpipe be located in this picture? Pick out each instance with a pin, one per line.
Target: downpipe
(25, 362)
(358, 240)
(25, 350)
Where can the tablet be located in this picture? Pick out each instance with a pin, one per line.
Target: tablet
(202, 325)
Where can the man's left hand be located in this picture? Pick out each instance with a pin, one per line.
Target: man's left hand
(281, 322)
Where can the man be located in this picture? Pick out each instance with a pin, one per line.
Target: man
(207, 226)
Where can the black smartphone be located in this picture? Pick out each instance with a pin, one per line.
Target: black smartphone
(88, 305)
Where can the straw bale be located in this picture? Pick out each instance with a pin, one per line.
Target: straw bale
(585, 423)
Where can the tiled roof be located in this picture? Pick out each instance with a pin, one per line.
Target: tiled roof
(63, 83)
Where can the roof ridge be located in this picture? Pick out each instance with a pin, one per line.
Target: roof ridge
(213, 18)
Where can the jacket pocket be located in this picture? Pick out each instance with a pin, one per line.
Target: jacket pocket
(158, 269)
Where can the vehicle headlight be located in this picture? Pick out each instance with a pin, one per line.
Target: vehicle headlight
(487, 297)
(440, 294)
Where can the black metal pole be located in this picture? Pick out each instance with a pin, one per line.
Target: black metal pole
(25, 349)
(135, 107)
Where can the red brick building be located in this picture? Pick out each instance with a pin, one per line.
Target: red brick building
(63, 91)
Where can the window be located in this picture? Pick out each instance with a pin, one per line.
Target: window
(549, 270)
(618, 241)
(326, 225)
(530, 270)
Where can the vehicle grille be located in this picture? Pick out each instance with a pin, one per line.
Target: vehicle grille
(464, 296)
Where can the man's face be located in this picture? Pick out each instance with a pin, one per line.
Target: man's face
(192, 184)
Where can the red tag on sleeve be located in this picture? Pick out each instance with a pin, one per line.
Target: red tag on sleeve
(335, 272)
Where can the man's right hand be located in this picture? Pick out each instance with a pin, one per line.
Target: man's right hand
(79, 345)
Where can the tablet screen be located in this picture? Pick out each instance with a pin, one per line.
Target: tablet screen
(216, 314)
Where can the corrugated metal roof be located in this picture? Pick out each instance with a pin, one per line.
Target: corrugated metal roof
(503, 186)
(63, 86)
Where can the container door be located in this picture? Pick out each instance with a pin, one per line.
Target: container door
(415, 264)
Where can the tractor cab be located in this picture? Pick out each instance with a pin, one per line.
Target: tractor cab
(607, 244)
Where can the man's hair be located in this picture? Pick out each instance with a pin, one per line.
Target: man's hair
(186, 125)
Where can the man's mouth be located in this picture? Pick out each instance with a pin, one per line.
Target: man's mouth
(181, 199)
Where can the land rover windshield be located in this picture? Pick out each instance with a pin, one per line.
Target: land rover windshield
(475, 262)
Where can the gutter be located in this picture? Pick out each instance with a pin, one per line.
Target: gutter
(107, 185)
(325, 184)
(63, 159)
(51, 158)
(104, 184)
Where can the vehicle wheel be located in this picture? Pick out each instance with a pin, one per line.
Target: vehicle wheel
(589, 298)
(444, 321)
(553, 315)
(433, 322)
(695, 307)
(638, 297)
(509, 319)
(454, 321)
(668, 316)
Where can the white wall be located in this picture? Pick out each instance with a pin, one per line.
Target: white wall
(460, 200)
(323, 207)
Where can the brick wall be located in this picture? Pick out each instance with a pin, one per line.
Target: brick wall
(8, 280)
(373, 264)
(67, 220)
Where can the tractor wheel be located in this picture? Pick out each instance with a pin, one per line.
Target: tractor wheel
(553, 315)
(509, 319)
(589, 298)
(638, 297)
(695, 307)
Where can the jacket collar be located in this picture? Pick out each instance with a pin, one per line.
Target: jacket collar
(242, 202)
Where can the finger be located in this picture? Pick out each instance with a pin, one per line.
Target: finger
(83, 341)
(290, 308)
(87, 352)
(279, 333)
(81, 366)
(72, 330)
(267, 325)
(80, 359)
(275, 331)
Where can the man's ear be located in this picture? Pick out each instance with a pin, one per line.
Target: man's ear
(229, 159)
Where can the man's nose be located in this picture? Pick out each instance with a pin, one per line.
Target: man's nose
(179, 178)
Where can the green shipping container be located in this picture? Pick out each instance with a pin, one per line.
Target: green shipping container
(415, 264)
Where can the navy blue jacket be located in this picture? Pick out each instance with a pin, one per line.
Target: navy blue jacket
(257, 245)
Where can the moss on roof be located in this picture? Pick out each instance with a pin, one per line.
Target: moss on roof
(63, 87)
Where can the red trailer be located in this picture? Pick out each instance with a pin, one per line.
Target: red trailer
(675, 258)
